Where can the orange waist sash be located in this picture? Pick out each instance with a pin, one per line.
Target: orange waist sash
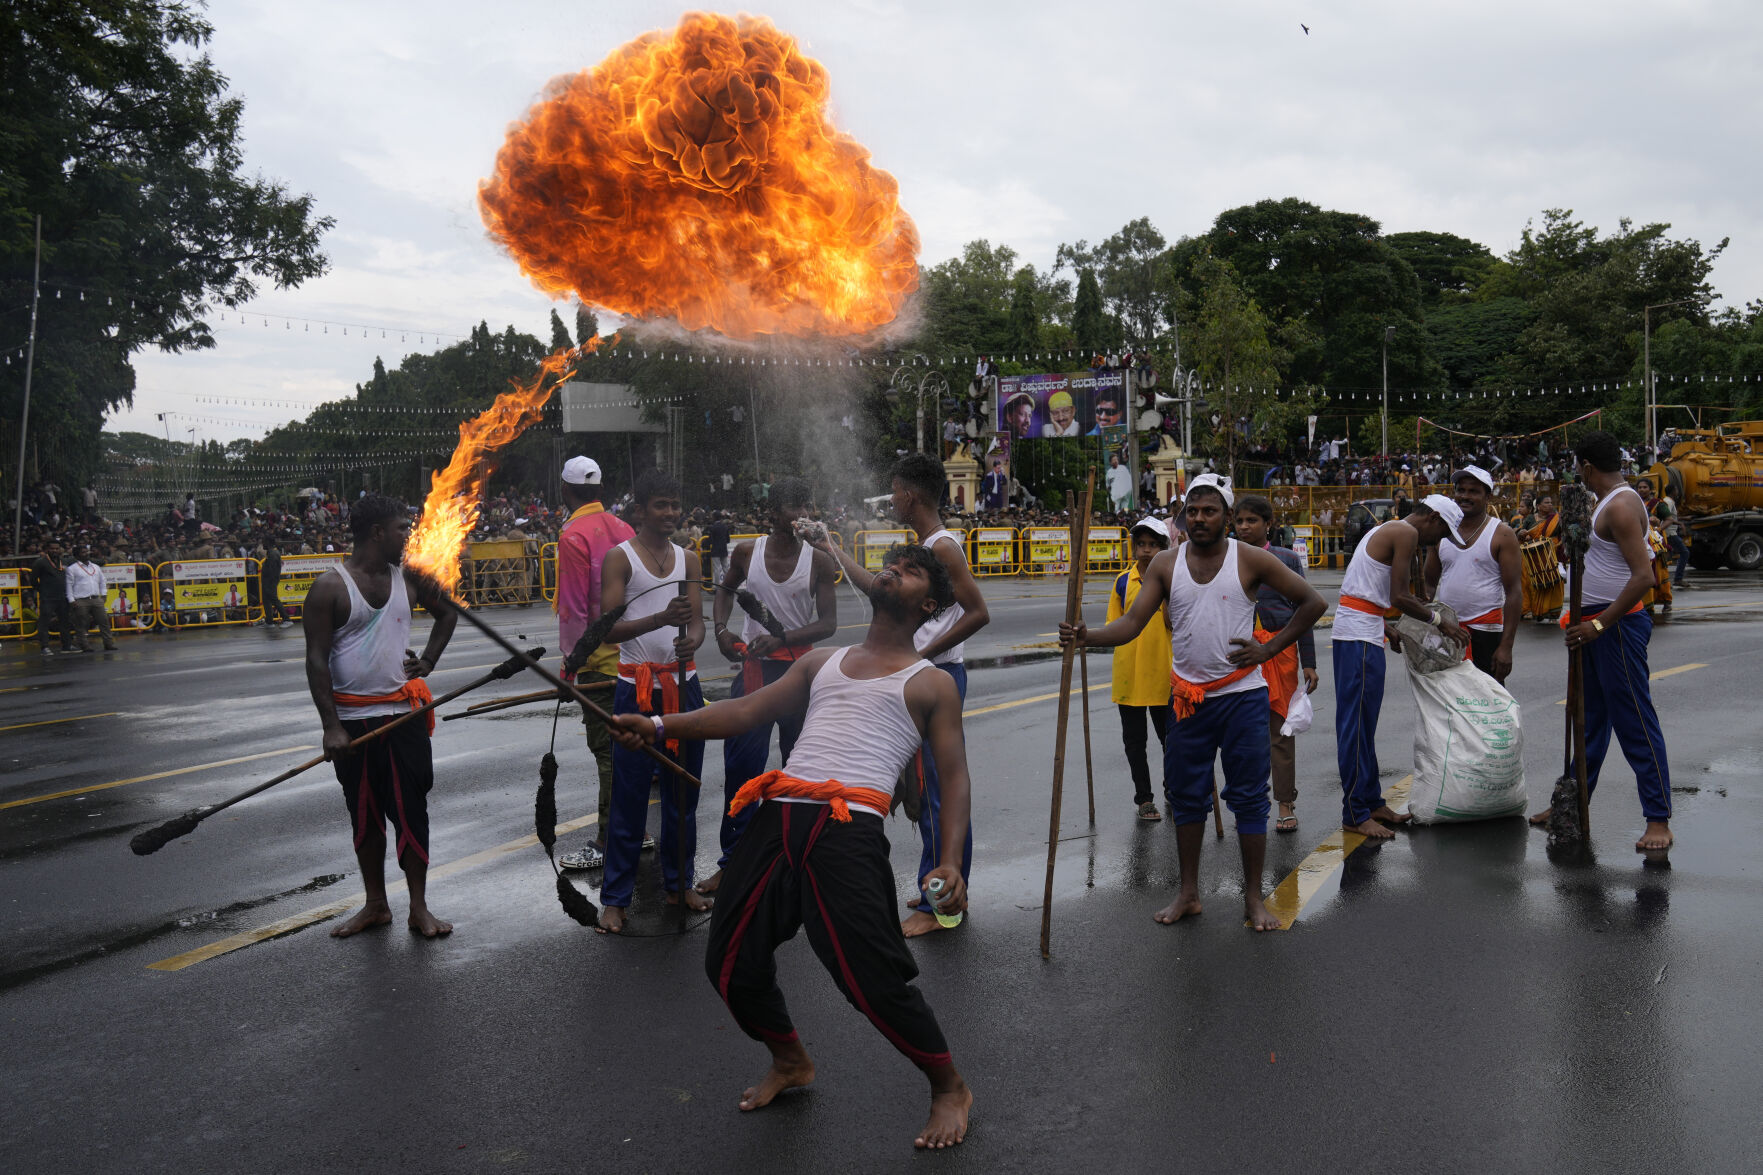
(835, 795)
(1281, 672)
(1184, 695)
(415, 691)
(752, 677)
(651, 674)
(1366, 606)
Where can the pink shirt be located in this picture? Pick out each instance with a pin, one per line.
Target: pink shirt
(581, 552)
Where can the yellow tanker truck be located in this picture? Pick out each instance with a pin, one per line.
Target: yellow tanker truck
(1716, 478)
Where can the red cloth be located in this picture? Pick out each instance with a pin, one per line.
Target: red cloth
(415, 691)
(752, 676)
(649, 674)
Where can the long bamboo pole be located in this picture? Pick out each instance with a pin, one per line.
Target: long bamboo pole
(1073, 600)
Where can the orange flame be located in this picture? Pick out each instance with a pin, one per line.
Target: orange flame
(695, 175)
(456, 498)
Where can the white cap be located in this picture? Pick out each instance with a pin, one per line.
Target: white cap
(1448, 510)
(581, 471)
(1154, 525)
(1217, 482)
(1477, 472)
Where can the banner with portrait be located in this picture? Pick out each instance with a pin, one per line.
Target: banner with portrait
(124, 593)
(298, 572)
(200, 584)
(1074, 404)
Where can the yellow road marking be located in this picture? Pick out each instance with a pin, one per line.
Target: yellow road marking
(1027, 701)
(306, 918)
(1657, 674)
(1290, 896)
(59, 721)
(79, 791)
(19, 689)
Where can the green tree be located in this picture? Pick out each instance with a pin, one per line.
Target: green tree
(967, 300)
(1448, 267)
(121, 135)
(559, 334)
(1129, 268)
(1089, 324)
(1025, 312)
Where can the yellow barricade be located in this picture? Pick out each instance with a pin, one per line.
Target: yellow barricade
(1108, 549)
(14, 621)
(873, 544)
(499, 572)
(1046, 550)
(1311, 536)
(129, 597)
(548, 571)
(204, 593)
(298, 574)
(991, 550)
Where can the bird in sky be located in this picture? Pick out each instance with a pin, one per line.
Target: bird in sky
(1305, 27)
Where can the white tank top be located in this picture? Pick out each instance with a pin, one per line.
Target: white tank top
(367, 655)
(655, 647)
(1606, 571)
(791, 601)
(857, 732)
(1204, 617)
(1369, 580)
(933, 630)
(1469, 578)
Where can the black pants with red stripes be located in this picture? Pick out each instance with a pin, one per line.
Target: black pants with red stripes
(796, 866)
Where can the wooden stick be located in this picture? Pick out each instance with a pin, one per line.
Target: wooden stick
(1576, 704)
(1083, 655)
(1073, 596)
(1217, 809)
(156, 838)
(544, 695)
(679, 816)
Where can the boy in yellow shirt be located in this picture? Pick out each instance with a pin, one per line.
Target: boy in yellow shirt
(1141, 666)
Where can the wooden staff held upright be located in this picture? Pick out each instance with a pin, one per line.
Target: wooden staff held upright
(1073, 606)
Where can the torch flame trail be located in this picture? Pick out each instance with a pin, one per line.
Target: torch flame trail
(456, 499)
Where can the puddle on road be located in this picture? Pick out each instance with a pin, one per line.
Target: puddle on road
(22, 975)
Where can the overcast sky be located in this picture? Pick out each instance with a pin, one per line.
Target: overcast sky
(1025, 122)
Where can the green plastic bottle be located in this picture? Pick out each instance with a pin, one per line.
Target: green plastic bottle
(934, 888)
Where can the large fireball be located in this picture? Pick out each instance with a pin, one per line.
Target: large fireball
(695, 175)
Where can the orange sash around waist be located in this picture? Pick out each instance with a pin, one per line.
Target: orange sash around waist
(752, 677)
(1184, 695)
(1281, 672)
(1493, 616)
(648, 675)
(837, 796)
(1367, 607)
(415, 691)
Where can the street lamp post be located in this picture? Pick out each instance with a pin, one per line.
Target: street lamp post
(1647, 365)
(927, 384)
(1389, 333)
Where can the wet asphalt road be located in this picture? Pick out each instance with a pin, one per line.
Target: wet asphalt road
(1455, 1000)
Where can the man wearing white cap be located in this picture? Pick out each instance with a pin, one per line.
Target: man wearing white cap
(1480, 580)
(1218, 703)
(1375, 589)
(582, 546)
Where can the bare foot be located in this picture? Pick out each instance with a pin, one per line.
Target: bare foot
(696, 902)
(920, 924)
(1657, 836)
(426, 924)
(948, 1119)
(709, 884)
(1540, 820)
(1371, 829)
(369, 916)
(611, 920)
(1185, 905)
(1258, 916)
(781, 1076)
(1390, 816)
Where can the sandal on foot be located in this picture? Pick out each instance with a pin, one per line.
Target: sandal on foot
(1286, 824)
(1148, 812)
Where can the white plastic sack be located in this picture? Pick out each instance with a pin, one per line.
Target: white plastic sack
(1468, 747)
(1299, 713)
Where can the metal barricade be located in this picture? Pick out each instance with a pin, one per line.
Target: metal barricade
(548, 570)
(499, 572)
(1046, 550)
(1311, 536)
(206, 593)
(992, 550)
(16, 619)
(1108, 549)
(298, 574)
(129, 597)
(873, 544)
